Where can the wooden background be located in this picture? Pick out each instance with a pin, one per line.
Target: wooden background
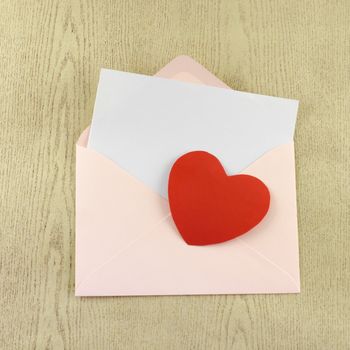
(50, 56)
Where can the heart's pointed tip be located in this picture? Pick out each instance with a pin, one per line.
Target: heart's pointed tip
(205, 243)
(194, 243)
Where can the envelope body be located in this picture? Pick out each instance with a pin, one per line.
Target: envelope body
(127, 243)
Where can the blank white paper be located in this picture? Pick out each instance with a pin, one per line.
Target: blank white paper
(145, 123)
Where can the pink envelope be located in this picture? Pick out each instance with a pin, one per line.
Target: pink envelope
(127, 244)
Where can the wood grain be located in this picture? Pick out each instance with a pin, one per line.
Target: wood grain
(50, 55)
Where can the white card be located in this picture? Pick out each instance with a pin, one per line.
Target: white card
(145, 123)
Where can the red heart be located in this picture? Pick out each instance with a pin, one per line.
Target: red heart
(210, 207)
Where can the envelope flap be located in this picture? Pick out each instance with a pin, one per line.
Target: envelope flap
(185, 68)
(105, 192)
(276, 237)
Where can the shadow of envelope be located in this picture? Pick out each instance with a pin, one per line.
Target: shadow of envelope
(127, 244)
